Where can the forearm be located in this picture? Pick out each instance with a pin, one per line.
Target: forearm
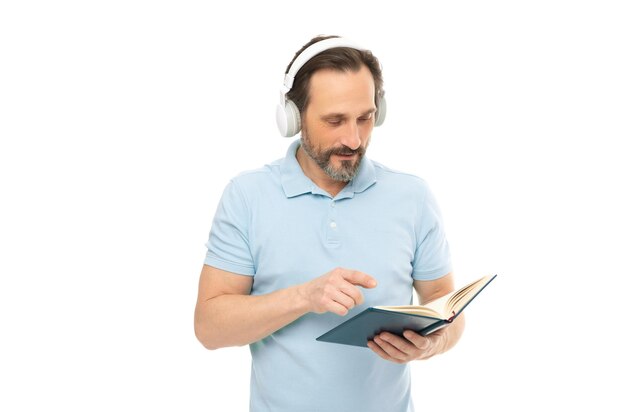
(235, 320)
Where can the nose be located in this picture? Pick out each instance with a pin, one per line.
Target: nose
(352, 136)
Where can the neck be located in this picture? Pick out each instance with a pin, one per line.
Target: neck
(317, 175)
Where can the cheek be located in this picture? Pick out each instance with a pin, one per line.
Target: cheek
(324, 136)
(366, 132)
(368, 127)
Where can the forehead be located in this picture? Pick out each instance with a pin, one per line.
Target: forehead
(343, 91)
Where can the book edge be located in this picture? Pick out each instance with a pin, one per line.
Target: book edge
(472, 298)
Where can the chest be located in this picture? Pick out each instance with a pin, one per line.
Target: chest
(301, 239)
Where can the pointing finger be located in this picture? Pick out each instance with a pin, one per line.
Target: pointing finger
(360, 278)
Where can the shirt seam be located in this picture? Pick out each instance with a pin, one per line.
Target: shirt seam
(246, 206)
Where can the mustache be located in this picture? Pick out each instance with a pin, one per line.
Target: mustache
(345, 151)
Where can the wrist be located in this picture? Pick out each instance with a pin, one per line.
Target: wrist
(452, 334)
(300, 300)
(443, 342)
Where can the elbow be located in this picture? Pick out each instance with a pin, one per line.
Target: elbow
(206, 341)
(211, 332)
(206, 338)
(211, 338)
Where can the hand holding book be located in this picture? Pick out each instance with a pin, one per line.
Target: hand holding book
(411, 345)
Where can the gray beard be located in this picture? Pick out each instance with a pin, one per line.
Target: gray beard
(345, 172)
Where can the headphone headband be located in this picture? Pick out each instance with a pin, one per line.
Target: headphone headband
(314, 49)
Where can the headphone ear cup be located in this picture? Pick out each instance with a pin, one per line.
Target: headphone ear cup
(381, 111)
(288, 119)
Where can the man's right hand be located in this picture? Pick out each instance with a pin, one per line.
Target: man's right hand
(336, 291)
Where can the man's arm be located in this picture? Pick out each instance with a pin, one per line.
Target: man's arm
(227, 315)
(412, 346)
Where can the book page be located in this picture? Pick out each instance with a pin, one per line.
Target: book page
(446, 306)
(463, 296)
(412, 310)
(435, 308)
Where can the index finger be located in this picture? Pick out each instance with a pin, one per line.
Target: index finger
(359, 278)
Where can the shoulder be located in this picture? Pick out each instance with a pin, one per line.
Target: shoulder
(255, 176)
(256, 181)
(400, 179)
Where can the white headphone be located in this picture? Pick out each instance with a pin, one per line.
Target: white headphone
(287, 113)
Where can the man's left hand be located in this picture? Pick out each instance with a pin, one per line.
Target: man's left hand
(410, 346)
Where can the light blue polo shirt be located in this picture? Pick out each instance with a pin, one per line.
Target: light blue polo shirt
(275, 224)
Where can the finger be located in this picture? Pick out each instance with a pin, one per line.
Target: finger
(360, 278)
(337, 308)
(342, 298)
(378, 350)
(390, 349)
(353, 292)
(338, 302)
(420, 342)
(402, 345)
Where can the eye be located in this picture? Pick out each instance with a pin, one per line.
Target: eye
(365, 119)
(334, 122)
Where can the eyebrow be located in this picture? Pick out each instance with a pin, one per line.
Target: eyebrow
(342, 115)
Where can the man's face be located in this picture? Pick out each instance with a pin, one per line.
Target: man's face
(338, 121)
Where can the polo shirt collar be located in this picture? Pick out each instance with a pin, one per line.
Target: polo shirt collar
(296, 183)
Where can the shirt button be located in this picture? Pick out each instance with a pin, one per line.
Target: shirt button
(333, 225)
(332, 204)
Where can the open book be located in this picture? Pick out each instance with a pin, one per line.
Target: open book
(423, 319)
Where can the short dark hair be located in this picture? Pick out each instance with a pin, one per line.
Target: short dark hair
(337, 58)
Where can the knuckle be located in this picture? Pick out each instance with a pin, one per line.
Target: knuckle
(332, 278)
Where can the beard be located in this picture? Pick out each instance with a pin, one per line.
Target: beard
(347, 169)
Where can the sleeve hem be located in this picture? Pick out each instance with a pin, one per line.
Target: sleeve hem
(432, 274)
(229, 266)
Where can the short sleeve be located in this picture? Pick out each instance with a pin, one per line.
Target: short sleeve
(432, 254)
(228, 246)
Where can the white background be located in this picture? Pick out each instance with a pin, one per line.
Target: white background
(122, 121)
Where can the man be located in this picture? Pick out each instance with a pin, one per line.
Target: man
(323, 233)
